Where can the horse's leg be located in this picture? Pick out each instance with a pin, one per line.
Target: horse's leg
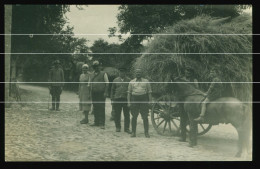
(183, 124)
(239, 142)
(243, 127)
(246, 132)
(193, 131)
(193, 134)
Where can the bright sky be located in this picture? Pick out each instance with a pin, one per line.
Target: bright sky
(94, 19)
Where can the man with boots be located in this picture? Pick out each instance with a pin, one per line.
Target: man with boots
(99, 89)
(139, 95)
(119, 97)
(56, 77)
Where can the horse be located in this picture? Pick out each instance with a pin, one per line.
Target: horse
(222, 110)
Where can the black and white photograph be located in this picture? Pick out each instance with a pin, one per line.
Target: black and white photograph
(128, 82)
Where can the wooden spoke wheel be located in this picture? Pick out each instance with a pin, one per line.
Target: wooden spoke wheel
(161, 115)
(202, 128)
(166, 121)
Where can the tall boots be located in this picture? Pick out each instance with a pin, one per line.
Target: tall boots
(85, 120)
(53, 106)
(57, 106)
(146, 127)
(134, 121)
(55, 101)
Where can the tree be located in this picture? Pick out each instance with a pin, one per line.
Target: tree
(42, 19)
(149, 19)
(111, 60)
(8, 24)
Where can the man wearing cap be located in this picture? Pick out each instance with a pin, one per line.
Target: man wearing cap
(119, 97)
(99, 90)
(139, 95)
(56, 77)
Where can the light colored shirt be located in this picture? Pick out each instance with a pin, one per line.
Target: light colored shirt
(139, 87)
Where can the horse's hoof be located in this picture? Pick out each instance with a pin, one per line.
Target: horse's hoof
(182, 140)
(191, 145)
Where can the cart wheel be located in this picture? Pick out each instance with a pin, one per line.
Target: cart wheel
(202, 128)
(161, 116)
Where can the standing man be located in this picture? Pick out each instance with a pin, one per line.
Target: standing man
(189, 77)
(119, 97)
(56, 77)
(99, 93)
(139, 95)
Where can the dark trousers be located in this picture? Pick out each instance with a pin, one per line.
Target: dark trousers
(183, 121)
(142, 108)
(55, 93)
(99, 107)
(118, 109)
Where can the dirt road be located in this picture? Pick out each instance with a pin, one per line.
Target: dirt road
(32, 133)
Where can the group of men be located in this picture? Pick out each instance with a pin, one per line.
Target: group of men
(127, 95)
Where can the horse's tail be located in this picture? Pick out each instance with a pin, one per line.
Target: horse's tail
(247, 124)
(247, 114)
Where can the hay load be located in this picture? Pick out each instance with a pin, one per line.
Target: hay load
(232, 67)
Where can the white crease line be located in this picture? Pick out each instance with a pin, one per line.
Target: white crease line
(129, 53)
(119, 82)
(159, 34)
(137, 102)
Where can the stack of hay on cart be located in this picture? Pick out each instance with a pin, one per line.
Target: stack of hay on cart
(233, 67)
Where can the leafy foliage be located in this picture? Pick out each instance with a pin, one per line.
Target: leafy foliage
(42, 19)
(148, 19)
(114, 60)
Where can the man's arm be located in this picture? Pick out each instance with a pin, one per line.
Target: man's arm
(62, 77)
(149, 91)
(212, 85)
(79, 85)
(196, 83)
(113, 90)
(50, 78)
(129, 94)
(107, 84)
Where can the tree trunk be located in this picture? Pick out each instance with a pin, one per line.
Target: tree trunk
(8, 25)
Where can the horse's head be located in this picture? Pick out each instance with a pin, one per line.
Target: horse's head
(184, 87)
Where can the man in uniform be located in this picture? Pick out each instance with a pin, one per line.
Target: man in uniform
(213, 93)
(119, 97)
(56, 77)
(99, 90)
(139, 95)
